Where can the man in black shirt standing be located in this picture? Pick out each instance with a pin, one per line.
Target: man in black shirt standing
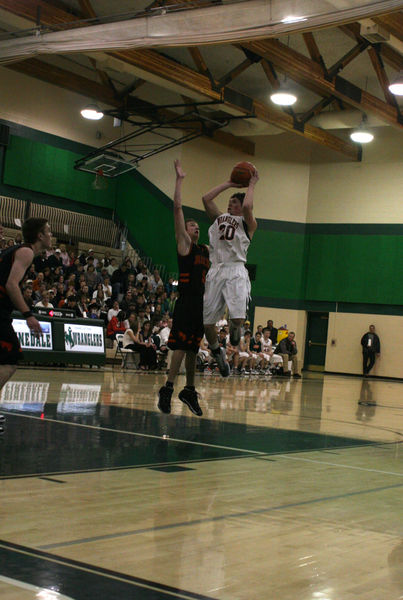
(371, 348)
(14, 263)
(187, 328)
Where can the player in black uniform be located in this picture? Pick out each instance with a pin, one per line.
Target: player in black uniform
(187, 328)
(14, 263)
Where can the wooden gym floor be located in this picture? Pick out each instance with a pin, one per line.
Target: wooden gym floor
(283, 490)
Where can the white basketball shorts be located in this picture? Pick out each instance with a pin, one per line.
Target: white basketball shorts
(226, 284)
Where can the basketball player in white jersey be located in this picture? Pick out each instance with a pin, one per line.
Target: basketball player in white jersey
(227, 282)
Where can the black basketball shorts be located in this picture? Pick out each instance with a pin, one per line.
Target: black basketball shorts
(187, 327)
(10, 349)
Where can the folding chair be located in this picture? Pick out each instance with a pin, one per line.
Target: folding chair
(124, 353)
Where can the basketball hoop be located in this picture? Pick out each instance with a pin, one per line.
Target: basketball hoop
(99, 182)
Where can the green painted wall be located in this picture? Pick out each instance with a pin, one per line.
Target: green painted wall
(40, 167)
(355, 268)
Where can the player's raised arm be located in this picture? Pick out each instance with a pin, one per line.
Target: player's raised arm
(210, 206)
(183, 240)
(247, 206)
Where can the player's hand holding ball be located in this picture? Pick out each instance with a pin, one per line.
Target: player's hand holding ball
(242, 173)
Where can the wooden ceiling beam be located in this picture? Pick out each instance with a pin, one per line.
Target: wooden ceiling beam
(377, 63)
(153, 62)
(392, 23)
(270, 73)
(391, 57)
(167, 69)
(313, 49)
(88, 88)
(309, 74)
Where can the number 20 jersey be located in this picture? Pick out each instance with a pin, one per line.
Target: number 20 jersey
(229, 239)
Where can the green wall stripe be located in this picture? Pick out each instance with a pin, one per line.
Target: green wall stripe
(340, 307)
(46, 138)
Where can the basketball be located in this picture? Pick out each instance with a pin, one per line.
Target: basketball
(242, 172)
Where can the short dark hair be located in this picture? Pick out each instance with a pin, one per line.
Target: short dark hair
(240, 196)
(31, 228)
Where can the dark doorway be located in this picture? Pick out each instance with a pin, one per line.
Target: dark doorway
(316, 339)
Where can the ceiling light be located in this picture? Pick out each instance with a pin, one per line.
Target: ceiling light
(93, 112)
(396, 87)
(293, 19)
(283, 97)
(362, 135)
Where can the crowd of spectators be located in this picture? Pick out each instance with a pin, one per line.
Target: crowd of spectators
(139, 305)
(122, 295)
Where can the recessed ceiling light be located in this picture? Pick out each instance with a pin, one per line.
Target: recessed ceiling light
(283, 98)
(93, 112)
(396, 87)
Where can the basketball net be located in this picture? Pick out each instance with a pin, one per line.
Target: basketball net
(99, 182)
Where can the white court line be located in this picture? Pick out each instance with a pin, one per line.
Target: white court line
(40, 593)
(324, 462)
(147, 435)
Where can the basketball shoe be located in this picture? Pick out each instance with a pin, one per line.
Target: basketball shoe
(191, 399)
(164, 401)
(220, 357)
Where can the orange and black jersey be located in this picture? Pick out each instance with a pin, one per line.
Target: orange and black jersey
(192, 270)
(6, 262)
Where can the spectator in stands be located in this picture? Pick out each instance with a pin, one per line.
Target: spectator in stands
(157, 314)
(146, 338)
(107, 288)
(170, 287)
(40, 261)
(38, 281)
(129, 266)
(31, 273)
(155, 279)
(99, 295)
(106, 261)
(132, 340)
(47, 276)
(44, 303)
(116, 325)
(3, 243)
(113, 312)
(119, 281)
(11, 243)
(93, 310)
(64, 256)
(54, 260)
(27, 295)
(131, 281)
(18, 238)
(60, 294)
(91, 277)
(71, 304)
(83, 301)
(91, 256)
(127, 301)
(140, 302)
(171, 302)
(142, 275)
(111, 268)
(273, 332)
(141, 317)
